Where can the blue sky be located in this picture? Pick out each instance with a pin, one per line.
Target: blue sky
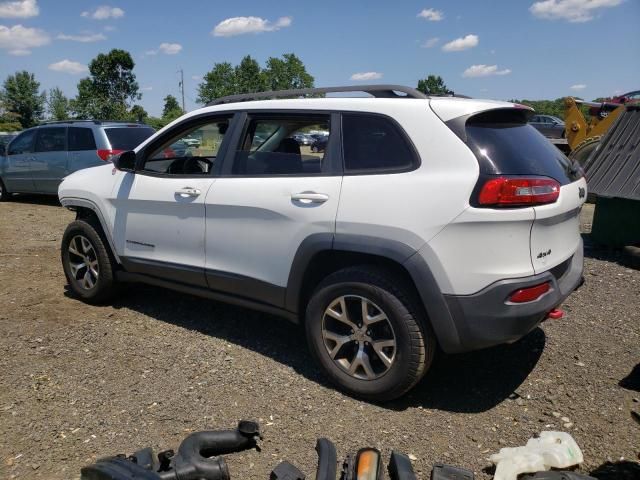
(500, 49)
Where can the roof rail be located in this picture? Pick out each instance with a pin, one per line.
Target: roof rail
(53, 122)
(97, 122)
(378, 91)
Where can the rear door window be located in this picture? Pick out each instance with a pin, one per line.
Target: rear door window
(51, 139)
(127, 138)
(81, 139)
(273, 146)
(373, 143)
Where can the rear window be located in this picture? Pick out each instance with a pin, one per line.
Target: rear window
(127, 138)
(505, 145)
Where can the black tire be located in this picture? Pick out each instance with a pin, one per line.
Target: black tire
(105, 287)
(4, 194)
(415, 342)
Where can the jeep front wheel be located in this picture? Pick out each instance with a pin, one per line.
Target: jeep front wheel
(368, 334)
(86, 262)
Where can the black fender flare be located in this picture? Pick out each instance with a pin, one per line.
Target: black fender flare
(405, 256)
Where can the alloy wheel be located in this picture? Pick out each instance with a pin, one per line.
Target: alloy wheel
(83, 262)
(359, 337)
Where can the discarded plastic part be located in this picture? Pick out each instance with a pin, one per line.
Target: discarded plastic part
(327, 459)
(557, 476)
(447, 472)
(555, 314)
(368, 464)
(550, 450)
(400, 467)
(286, 471)
(197, 458)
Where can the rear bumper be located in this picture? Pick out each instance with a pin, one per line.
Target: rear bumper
(484, 319)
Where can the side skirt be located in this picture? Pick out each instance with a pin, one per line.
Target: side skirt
(207, 293)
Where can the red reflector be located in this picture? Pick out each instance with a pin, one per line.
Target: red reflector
(107, 154)
(555, 314)
(529, 294)
(518, 191)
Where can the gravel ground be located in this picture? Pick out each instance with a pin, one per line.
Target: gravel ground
(79, 382)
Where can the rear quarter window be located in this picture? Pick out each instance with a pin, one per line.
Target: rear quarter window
(81, 139)
(127, 138)
(375, 144)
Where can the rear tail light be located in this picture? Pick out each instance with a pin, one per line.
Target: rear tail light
(106, 155)
(529, 294)
(518, 192)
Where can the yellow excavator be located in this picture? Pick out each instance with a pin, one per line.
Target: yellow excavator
(584, 136)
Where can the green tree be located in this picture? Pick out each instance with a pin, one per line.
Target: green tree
(156, 122)
(20, 96)
(287, 73)
(171, 109)
(249, 76)
(138, 114)
(58, 105)
(219, 82)
(110, 89)
(433, 85)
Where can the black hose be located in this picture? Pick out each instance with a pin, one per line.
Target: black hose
(327, 460)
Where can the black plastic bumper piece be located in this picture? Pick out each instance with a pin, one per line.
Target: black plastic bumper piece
(400, 467)
(286, 471)
(555, 475)
(327, 459)
(487, 318)
(447, 472)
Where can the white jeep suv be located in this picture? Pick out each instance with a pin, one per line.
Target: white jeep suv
(423, 222)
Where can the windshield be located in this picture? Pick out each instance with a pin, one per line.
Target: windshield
(127, 138)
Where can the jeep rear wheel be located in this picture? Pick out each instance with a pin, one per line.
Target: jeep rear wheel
(368, 333)
(86, 262)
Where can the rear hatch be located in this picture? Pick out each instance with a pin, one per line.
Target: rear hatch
(520, 168)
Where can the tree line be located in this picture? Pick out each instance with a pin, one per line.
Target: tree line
(111, 91)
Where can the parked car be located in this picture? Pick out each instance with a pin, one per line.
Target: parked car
(427, 222)
(610, 104)
(548, 125)
(40, 157)
(320, 143)
(192, 142)
(303, 139)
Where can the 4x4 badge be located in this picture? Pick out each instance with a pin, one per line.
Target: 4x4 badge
(581, 192)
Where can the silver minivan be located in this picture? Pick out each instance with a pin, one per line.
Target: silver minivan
(39, 158)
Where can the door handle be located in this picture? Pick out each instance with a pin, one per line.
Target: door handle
(309, 197)
(188, 192)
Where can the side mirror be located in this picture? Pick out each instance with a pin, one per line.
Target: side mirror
(126, 161)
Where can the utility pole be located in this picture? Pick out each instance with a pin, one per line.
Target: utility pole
(182, 89)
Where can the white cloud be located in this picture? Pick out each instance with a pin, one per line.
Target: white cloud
(68, 66)
(19, 40)
(431, 15)
(366, 76)
(146, 89)
(170, 48)
(84, 38)
(109, 28)
(19, 9)
(166, 48)
(484, 71)
(243, 25)
(103, 13)
(462, 43)
(432, 42)
(197, 78)
(579, 86)
(574, 11)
